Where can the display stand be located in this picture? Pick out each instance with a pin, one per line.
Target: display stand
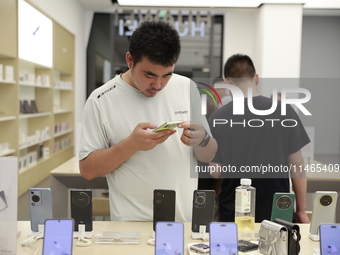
(83, 236)
(314, 237)
(152, 240)
(82, 232)
(202, 234)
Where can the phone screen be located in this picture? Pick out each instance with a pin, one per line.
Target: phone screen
(58, 237)
(223, 238)
(169, 238)
(330, 239)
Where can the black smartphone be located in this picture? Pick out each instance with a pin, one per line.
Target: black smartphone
(58, 236)
(40, 203)
(244, 245)
(81, 208)
(223, 238)
(202, 209)
(329, 239)
(164, 204)
(169, 238)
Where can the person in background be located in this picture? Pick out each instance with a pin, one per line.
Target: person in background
(117, 139)
(242, 145)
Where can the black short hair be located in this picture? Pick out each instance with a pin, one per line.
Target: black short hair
(239, 66)
(156, 40)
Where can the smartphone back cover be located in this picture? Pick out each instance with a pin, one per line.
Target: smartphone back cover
(283, 206)
(40, 200)
(203, 209)
(81, 208)
(323, 209)
(164, 204)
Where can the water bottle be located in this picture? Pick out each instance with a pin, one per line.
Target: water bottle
(245, 209)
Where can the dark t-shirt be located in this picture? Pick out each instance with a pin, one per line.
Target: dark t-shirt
(249, 144)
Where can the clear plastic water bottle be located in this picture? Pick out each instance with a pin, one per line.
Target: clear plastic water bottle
(245, 209)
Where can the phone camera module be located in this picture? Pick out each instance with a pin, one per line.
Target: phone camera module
(326, 200)
(284, 202)
(35, 198)
(159, 197)
(200, 201)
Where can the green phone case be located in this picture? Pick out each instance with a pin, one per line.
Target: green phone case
(283, 206)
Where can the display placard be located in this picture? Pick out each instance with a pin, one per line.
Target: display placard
(8, 205)
(35, 35)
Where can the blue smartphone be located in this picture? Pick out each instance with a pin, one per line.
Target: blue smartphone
(169, 238)
(58, 236)
(223, 238)
(329, 239)
(40, 202)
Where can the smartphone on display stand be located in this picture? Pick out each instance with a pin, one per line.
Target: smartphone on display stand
(329, 239)
(283, 206)
(203, 209)
(168, 125)
(169, 238)
(200, 248)
(164, 205)
(223, 238)
(81, 208)
(58, 236)
(324, 209)
(40, 202)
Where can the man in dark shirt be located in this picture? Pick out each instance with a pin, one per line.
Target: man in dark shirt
(253, 142)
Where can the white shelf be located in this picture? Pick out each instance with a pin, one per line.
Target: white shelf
(62, 111)
(33, 115)
(34, 85)
(25, 146)
(7, 82)
(68, 89)
(6, 152)
(7, 118)
(63, 133)
(30, 166)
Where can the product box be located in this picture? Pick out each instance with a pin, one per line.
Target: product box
(8, 205)
(9, 73)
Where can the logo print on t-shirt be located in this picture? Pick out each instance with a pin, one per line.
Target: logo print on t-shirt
(105, 91)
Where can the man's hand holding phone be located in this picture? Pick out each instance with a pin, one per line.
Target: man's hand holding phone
(193, 133)
(142, 139)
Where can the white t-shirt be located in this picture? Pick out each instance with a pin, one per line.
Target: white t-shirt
(111, 113)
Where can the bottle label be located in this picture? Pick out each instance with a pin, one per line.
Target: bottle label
(242, 201)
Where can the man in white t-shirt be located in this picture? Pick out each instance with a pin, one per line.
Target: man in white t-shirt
(117, 138)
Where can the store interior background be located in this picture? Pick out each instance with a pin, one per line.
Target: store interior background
(284, 40)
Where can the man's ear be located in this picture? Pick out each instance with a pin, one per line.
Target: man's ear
(129, 59)
(256, 79)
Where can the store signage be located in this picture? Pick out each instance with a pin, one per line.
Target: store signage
(186, 25)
